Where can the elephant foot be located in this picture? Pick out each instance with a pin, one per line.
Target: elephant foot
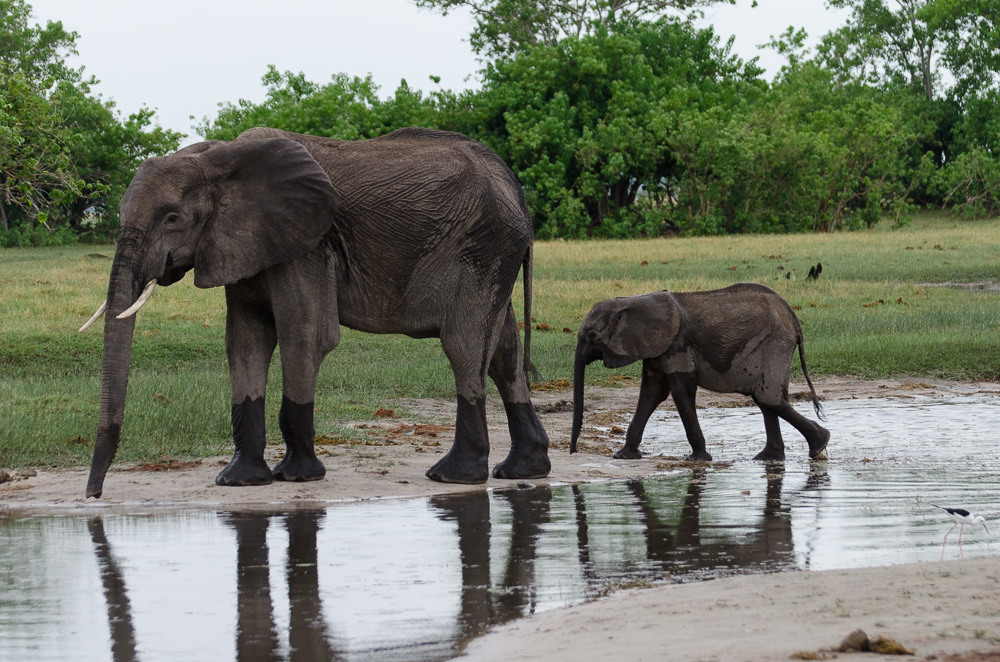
(700, 456)
(523, 466)
(817, 446)
(770, 455)
(451, 469)
(299, 469)
(626, 453)
(243, 471)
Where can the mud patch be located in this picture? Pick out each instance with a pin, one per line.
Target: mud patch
(165, 465)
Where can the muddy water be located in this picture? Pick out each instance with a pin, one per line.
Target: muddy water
(417, 579)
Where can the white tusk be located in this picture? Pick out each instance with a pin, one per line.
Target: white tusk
(96, 316)
(140, 302)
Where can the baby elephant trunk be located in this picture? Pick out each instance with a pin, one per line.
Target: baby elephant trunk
(579, 372)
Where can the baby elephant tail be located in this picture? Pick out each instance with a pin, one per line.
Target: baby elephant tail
(802, 359)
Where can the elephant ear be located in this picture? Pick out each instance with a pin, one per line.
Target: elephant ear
(273, 202)
(644, 328)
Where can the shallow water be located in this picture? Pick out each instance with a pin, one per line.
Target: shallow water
(416, 579)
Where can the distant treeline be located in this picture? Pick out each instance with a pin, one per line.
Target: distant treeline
(621, 118)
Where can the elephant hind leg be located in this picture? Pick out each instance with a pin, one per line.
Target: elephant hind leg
(528, 456)
(815, 434)
(467, 461)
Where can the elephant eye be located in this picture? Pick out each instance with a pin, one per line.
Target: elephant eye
(171, 218)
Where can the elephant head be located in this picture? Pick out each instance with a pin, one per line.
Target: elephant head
(228, 210)
(619, 332)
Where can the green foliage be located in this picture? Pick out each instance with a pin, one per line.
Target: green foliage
(27, 236)
(65, 155)
(809, 155)
(347, 108)
(585, 124)
(970, 184)
(944, 52)
(505, 28)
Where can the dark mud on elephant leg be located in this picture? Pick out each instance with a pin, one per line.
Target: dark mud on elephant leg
(247, 466)
(816, 435)
(300, 462)
(774, 447)
(653, 391)
(684, 387)
(529, 445)
(468, 460)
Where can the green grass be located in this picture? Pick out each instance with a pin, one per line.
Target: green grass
(178, 402)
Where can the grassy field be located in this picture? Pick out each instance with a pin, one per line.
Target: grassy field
(875, 312)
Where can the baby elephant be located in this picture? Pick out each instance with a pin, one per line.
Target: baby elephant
(739, 339)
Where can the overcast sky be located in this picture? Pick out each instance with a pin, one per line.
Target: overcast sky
(185, 57)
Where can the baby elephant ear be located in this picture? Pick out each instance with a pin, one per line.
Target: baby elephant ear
(646, 327)
(272, 202)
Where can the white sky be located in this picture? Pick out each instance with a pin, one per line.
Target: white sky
(185, 57)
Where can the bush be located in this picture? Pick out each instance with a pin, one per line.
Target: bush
(27, 236)
(971, 184)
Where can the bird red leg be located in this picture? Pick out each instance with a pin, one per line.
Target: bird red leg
(945, 541)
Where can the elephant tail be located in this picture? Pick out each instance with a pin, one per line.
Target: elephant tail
(802, 359)
(530, 372)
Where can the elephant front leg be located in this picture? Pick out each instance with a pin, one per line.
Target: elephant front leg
(653, 391)
(300, 362)
(300, 462)
(250, 342)
(684, 386)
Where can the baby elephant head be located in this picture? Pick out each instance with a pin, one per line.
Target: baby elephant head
(619, 332)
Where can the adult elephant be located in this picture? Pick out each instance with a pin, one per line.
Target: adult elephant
(417, 232)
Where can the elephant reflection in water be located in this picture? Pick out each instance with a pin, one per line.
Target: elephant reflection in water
(674, 548)
(256, 634)
(483, 605)
(681, 548)
(119, 610)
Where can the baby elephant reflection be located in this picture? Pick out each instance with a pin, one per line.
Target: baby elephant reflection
(735, 340)
(680, 542)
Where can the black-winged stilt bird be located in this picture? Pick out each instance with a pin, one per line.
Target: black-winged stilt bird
(961, 517)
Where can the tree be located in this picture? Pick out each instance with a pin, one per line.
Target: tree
(585, 124)
(507, 27)
(935, 48)
(808, 155)
(348, 108)
(63, 150)
(34, 165)
(37, 53)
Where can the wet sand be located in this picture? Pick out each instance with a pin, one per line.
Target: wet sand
(933, 608)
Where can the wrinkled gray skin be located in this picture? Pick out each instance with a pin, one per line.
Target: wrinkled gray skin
(735, 340)
(417, 232)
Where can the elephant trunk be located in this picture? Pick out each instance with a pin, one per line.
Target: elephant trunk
(123, 288)
(579, 371)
